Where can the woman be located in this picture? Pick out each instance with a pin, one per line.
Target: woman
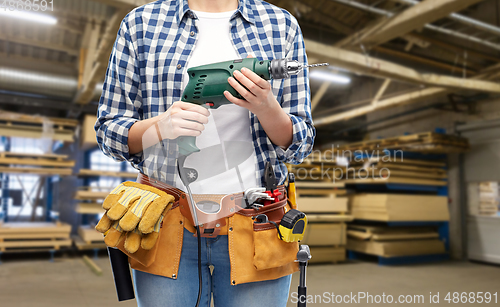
(140, 117)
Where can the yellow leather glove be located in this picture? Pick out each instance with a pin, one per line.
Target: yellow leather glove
(133, 211)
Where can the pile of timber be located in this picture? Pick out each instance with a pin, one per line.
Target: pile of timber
(396, 169)
(483, 198)
(36, 127)
(387, 241)
(41, 164)
(88, 238)
(22, 237)
(89, 201)
(399, 207)
(427, 142)
(326, 205)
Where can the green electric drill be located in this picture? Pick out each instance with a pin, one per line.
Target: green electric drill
(207, 84)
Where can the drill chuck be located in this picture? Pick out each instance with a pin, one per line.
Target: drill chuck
(284, 68)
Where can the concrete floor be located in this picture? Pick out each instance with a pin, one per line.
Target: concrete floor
(69, 282)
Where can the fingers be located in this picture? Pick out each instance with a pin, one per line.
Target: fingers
(236, 101)
(187, 125)
(240, 89)
(194, 116)
(191, 107)
(253, 77)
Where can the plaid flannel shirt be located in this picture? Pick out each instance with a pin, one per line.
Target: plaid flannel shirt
(145, 72)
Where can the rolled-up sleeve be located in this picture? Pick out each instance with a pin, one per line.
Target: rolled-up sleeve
(297, 104)
(120, 100)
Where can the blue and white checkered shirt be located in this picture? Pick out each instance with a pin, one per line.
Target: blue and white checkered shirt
(145, 71)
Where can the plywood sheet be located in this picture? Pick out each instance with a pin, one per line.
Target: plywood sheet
(322, 204)
(325, 234)
(397, 248)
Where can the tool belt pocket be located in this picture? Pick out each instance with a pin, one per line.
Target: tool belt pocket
(142, 256)
(269, 250)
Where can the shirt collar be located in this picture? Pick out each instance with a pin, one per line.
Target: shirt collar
(244, 8)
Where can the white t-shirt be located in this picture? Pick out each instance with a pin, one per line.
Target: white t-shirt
(227, 161)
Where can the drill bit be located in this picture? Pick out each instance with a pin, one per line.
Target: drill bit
(316, 65)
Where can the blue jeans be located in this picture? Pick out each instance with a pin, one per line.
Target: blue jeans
(154, 291)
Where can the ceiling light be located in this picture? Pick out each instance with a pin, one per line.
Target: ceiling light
(41, 18)
(328, 76)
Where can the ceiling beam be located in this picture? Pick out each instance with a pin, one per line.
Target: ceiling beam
(319, 95)
(405, 22)
(40, 44)
(370, 66)
(399, 100)
(100, 59)
(414, 58)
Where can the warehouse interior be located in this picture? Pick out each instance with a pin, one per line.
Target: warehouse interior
(401, 190)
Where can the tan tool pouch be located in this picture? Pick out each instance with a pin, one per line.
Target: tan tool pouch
(268, 250)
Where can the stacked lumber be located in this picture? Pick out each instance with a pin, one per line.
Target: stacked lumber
(428, 142)
(41, 164)
(88, 238)
(396, 169)
(325, 204)
(36, 127)
(387, 241)
(484, 198)
(399, 207)
(20, 237)
(89, 201)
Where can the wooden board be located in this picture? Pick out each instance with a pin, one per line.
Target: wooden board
(54, 244)
(81, 245)
(12, 117)
(38, 171)
(319, 185)
(400, 207)
(301, 192)
(97, 173)
(397, 248)
(381, 233)
(88, 135)
(390, 172)
(322, 204)
(396, 180)
(34, 228)
(312, 218)
(327, 254)
(90, 195)
(10, 154)
(89, 234)
(89, 208)
(36, 161)
(21, 236)
(325, 234)
(393, 161)
(33, 132)
(425, 142)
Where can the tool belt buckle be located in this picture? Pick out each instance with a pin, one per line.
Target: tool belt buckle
(211, 211)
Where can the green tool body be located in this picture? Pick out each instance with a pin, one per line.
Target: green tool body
(206, 87)
(207, 84)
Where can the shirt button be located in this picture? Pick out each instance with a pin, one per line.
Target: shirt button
(179, 66)
(192, 33)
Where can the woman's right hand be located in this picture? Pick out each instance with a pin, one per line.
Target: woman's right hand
(182, 119)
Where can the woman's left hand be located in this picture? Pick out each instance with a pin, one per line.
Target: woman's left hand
(259, 98)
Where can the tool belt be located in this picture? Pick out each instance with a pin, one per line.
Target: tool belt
(214, 222)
